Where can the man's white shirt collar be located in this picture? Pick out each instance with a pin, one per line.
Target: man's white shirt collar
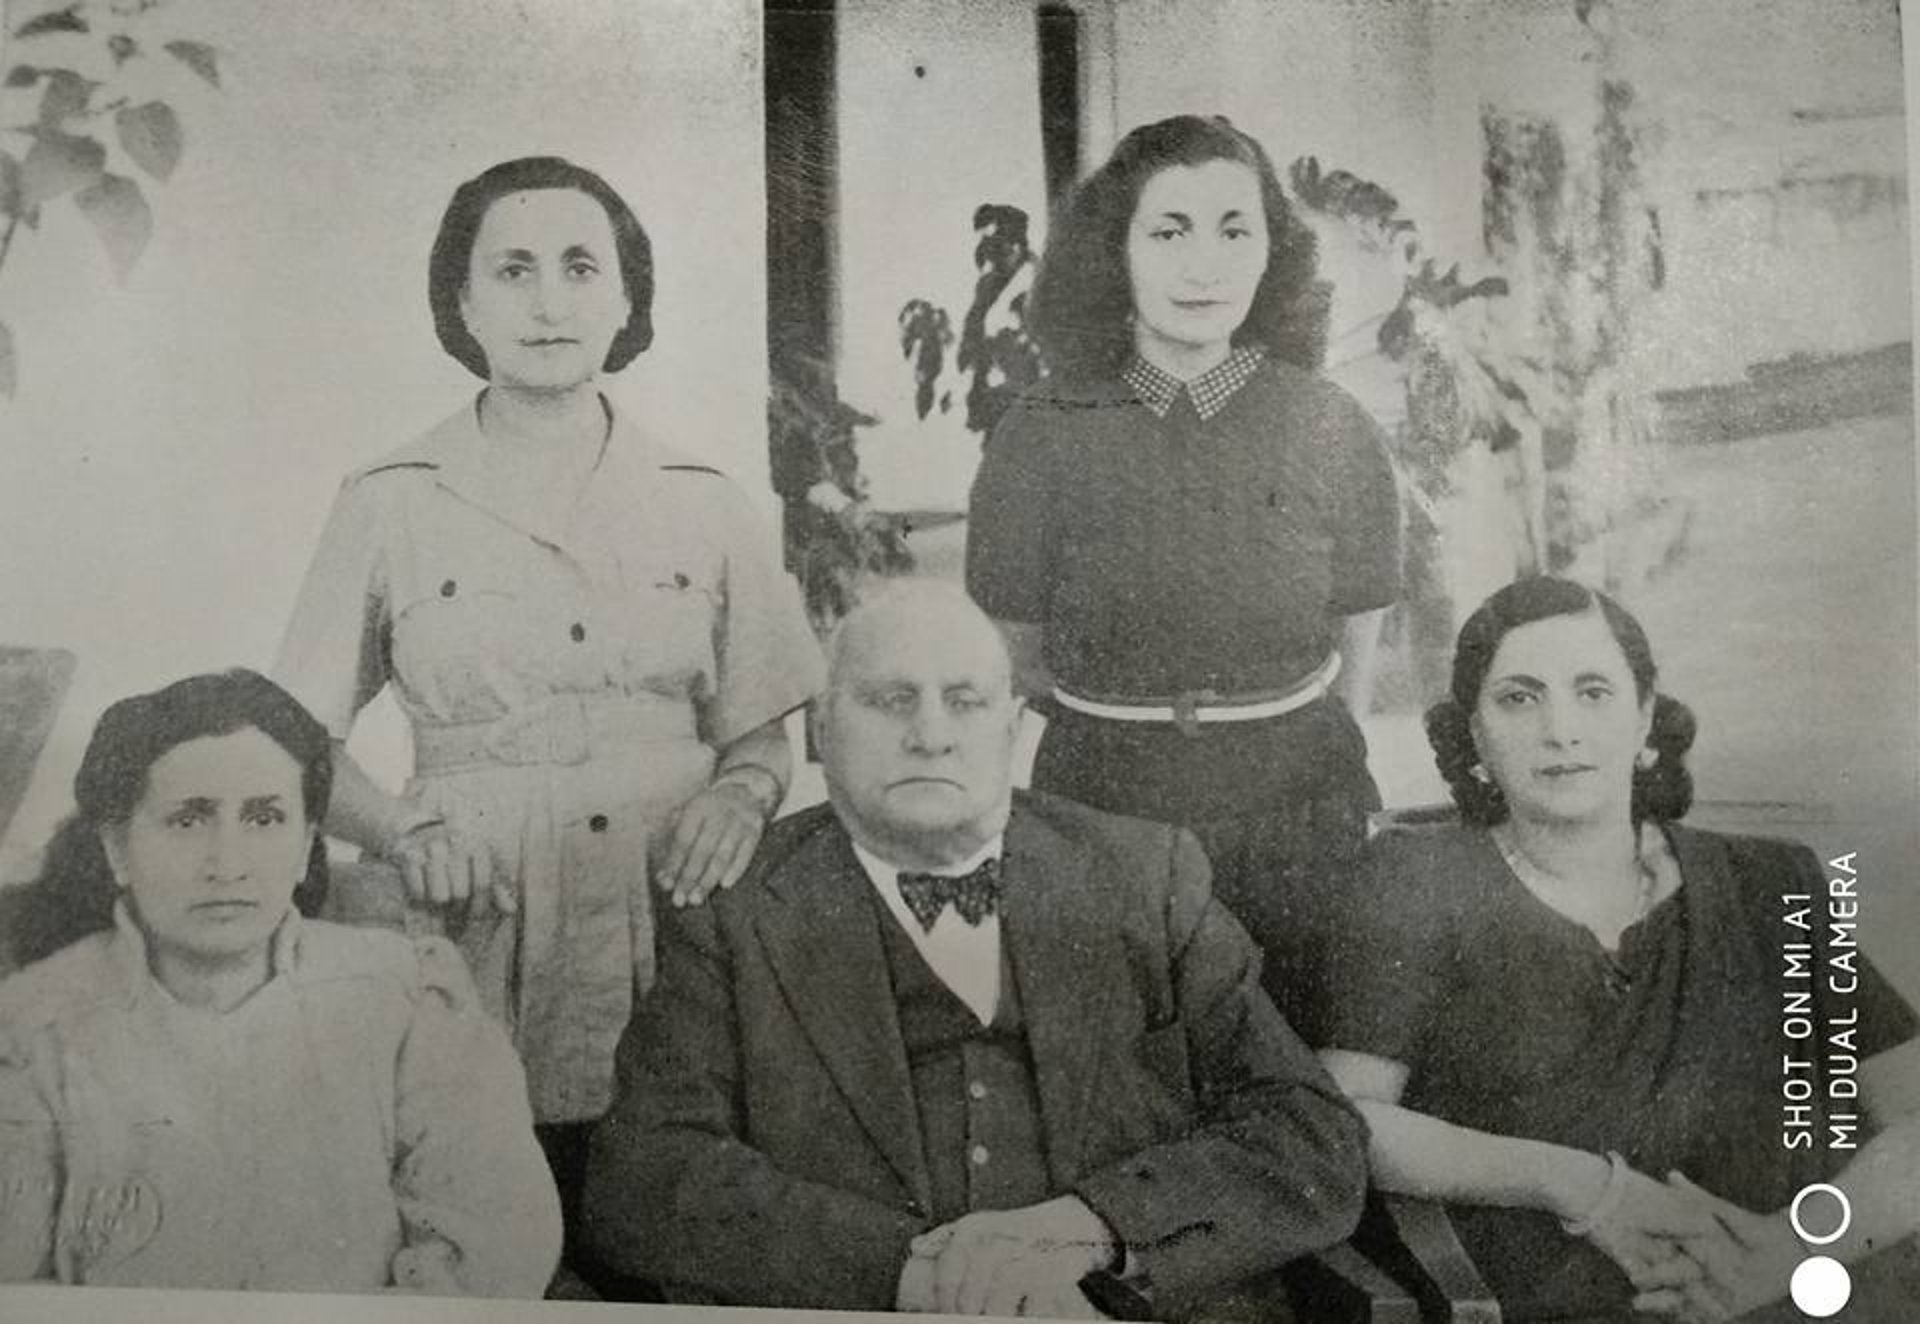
(965, 956)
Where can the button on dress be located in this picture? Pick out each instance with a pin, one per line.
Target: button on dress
(568, 684)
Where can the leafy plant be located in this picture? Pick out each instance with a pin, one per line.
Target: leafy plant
(65, 153)
(834, 536)
(1463, 387)
(996, 351)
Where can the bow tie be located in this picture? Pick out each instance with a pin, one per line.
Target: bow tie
(974, 895)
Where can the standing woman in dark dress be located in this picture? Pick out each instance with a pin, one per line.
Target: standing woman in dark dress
(1188, 535)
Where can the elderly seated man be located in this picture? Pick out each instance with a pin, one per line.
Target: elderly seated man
(952, 1047)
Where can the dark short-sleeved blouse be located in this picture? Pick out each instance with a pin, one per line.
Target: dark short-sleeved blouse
(1512, 1020)
(1185, 553)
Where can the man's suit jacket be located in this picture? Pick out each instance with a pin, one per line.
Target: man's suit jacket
(764, 1146)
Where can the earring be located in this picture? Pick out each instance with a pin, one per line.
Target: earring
(1646, 758)
(1480, 774)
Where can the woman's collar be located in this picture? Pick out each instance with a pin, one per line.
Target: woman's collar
(133, 974)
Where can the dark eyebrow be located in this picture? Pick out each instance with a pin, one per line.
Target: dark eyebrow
(1178, 216)
(1518, 678)
(579, 250)
(197, 803)
(260, 801)
(512, 255)
(1586, 676)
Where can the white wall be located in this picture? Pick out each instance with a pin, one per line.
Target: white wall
(170, 455)
(1776, 157)
(939, 111)
(1784, 183)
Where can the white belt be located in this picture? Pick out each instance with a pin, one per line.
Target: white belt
(1194, 706)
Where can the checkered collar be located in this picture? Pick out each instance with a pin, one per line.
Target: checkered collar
(1209, 392)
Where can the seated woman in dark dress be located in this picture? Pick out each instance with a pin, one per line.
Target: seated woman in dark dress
(1558, 1013)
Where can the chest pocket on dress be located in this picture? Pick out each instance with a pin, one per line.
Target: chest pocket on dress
(665, 627)
(458, 641)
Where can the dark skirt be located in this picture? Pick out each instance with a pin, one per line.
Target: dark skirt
(1280, 805)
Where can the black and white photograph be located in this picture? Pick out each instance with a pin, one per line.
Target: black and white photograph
(1239, 661)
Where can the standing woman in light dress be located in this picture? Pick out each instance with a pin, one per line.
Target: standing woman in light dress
(1189, 534)
(587, 631)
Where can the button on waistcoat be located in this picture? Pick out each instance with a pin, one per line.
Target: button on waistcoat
(973, 1085)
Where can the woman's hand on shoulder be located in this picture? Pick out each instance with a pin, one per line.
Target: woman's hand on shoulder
(448, 868)
(715, 834)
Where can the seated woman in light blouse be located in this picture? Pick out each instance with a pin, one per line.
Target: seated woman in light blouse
(1561, 1015)
(201, 1088)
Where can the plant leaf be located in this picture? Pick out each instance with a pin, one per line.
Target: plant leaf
(120, 217)
(11, 191)
(65, 97)
(150, 133)
(9, 374)
(54, 20)
(22, 75)
(124, 48)
(197, 56)
(59, 163)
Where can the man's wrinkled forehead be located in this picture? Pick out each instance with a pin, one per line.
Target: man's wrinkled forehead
(924, 640)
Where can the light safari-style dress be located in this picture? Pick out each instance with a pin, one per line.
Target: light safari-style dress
(568, 680)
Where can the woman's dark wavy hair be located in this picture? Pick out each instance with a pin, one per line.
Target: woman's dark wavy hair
(75, 890)
(1083, 297)
(452, 258)
(1663, 792)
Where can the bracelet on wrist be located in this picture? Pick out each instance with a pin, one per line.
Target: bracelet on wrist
(761, 783)
(1610, 1197)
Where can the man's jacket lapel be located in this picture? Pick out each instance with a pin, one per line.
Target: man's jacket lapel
(1068, 963)
(824, 947)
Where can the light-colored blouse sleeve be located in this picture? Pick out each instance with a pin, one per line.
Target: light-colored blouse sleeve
(334, 656)
(478, 1208)
(768, 660)
(29, 1168)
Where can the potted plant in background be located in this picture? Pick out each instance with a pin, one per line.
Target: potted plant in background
(834, 538)
(1486, 438)
(54, 118)
(996, 352)
(71, 132)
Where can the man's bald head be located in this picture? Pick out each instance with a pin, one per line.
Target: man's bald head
(916, 730)
(932, 610)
